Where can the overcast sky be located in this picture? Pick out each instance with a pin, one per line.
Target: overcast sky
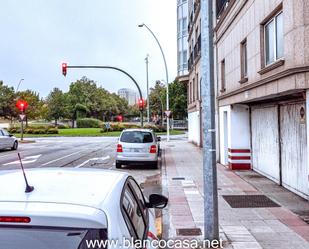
(37, 36)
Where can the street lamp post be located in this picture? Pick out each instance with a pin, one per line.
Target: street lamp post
(147, 78)
(166, 72)
(19, 85)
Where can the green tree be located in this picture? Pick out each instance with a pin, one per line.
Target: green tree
(7, 101)
(157, 99)
(178, 100)
(56, 105)
(35, 104)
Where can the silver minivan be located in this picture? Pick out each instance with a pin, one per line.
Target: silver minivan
(7, 141)
(138, 147)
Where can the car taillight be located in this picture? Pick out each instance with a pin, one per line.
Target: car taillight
(152, 236)
(13, 219)
(153, 149)
(119, 148)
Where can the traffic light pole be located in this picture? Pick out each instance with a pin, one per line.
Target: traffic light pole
(22, 128)
(112, 68)
(211, 227)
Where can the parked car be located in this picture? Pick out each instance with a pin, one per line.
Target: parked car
(138, 147)
(7, 141)
(70, 207)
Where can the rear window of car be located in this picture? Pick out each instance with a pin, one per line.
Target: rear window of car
(136, 137)
(49, 238)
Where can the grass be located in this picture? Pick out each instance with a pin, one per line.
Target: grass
(88, 132)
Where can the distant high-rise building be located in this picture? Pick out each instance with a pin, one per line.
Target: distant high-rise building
(182, 37)
(128, 94)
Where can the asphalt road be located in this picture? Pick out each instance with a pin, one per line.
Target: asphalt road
(77, 152)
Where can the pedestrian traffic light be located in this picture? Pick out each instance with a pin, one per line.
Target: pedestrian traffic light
(64, 69)
(141, 105)
(22, 105)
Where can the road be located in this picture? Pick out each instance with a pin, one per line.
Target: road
(77, 152)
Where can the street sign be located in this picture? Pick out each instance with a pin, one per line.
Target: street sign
(168, 113)
(107, 125)
(22, 116)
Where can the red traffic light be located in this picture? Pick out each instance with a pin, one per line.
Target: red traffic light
(22, 105)
(119, 118)
(64, 69)
(141, 104)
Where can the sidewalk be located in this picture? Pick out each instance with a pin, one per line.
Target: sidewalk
(275, 227)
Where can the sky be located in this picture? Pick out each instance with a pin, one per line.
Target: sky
(38, 36)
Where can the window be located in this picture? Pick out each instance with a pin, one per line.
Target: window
(184, 26)
(273, 35)
(185, 58)
(197, 88)
(193, 90)
(223, 76)
(244, 59)
(136, 137)
(39, 237)
(133, 213)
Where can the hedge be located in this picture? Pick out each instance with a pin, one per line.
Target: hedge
(35, 129)
(122, 126)
(89, 123)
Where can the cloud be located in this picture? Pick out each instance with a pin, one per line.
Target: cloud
(37, 36)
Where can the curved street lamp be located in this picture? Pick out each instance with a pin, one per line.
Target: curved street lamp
(18, 85)
(166, 72)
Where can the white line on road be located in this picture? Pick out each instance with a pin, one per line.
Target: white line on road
(26, 160)
(92, 159)
(58, 159)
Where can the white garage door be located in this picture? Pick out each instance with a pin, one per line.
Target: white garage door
(294, 149)
(265, 141)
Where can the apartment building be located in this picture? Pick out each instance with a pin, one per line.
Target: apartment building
(262, 80)
(129, 95)
(194, 68)
(182, 40)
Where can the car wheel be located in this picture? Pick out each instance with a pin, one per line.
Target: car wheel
(154, 165)
(118, 166)
(15, 146)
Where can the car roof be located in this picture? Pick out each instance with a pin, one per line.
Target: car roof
(84, 187)
(138, 129)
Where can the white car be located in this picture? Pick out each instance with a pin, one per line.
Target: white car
(138, 147)
(7, 141)
(70, 208)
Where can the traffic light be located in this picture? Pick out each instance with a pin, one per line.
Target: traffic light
(141, 105)
(64, 69)
(22, 105)
(119, 118)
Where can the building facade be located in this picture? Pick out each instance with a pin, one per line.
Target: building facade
(129, 95)
(182, 38)
(262, 80)
(194, 68)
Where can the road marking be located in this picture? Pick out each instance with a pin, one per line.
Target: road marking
(92, 159)
(12, 153)
(58, 159)
(26, 160)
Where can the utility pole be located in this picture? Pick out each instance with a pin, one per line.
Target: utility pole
(211, 227)
(147, 78)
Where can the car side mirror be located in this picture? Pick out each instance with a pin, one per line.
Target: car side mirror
(11, 135)
(157, 201)
(158, 139)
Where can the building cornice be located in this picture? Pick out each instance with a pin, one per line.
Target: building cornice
(274, 77)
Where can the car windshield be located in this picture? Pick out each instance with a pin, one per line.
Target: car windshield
(136, 137)
(51, 238)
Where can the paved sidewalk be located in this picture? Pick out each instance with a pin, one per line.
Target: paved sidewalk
(239, 227)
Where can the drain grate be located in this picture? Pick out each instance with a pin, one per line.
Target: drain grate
(178, 178)
(189, 232)
(249, 201)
